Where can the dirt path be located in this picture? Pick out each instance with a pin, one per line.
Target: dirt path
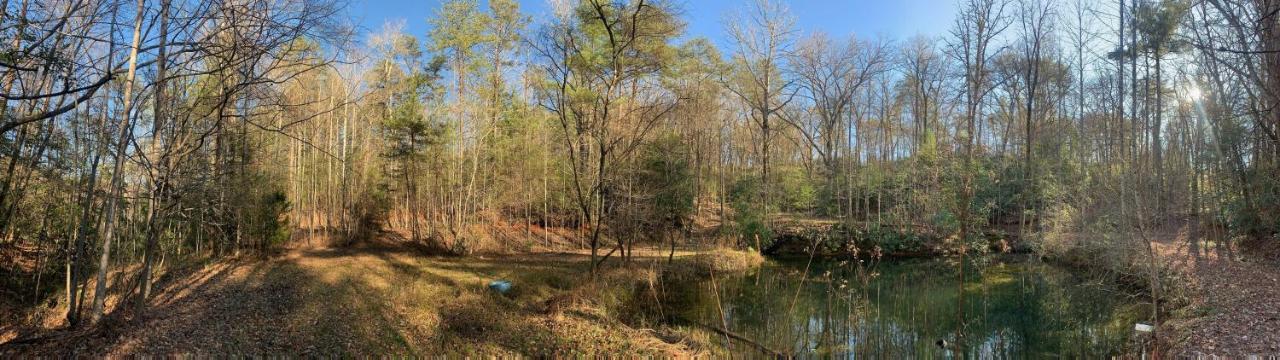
(1235, 303)
(352, 302)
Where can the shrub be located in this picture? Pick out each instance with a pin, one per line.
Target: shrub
(748, 217)
(367, 212)
(891, 240)
(797, 192)
(667, 176)
(268, 220)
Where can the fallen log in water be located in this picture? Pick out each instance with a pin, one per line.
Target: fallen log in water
(735, 336)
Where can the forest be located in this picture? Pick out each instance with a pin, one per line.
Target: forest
(1046, 178)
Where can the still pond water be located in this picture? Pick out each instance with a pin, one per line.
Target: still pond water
(1012, 308)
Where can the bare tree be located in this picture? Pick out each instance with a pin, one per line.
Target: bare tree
(978, 25)
(1036, 20)
(117, 177)
(830, 76)
(763, 36)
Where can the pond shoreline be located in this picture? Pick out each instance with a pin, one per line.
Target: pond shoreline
(824, 277)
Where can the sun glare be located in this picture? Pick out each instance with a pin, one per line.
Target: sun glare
(1193, 93)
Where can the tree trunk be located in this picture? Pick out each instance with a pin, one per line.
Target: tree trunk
(159, 160)
(117, 179)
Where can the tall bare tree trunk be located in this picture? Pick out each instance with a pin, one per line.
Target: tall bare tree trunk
(117, 179)
(159, 160)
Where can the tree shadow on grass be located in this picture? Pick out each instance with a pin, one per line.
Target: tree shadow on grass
(260, 308)
(336, 302)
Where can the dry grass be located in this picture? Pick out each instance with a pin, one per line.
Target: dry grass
(384, 301)
(726, 261)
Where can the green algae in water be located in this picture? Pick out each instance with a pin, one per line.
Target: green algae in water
(1011, 309)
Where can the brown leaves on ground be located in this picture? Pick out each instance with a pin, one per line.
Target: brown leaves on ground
(1235, 305)
(1237, 310)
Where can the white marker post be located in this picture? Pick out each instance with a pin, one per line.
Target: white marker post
(1143, 330)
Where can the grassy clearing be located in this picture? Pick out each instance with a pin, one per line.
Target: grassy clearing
(349, 302)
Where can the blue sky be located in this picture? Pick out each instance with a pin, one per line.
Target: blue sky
(896, 19)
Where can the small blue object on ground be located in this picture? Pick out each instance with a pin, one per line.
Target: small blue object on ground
(501, 286)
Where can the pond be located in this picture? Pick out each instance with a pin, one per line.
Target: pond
(1006, 307)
